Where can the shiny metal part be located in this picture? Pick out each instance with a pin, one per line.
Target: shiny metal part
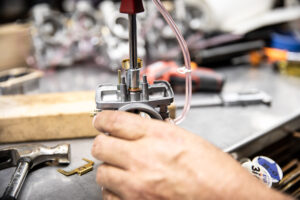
(144, 115)
(133, 41)
(61, 40)
(80, 170)
(134, 79)
(145, 89)
(252, 97)
(151, 99)
(256, 143)
(131, 94)
(35, 153)
(19, 81)
(126, 64)
(247, 98)
(291, 184)
(25, 157)
(290, 165)
(291, 175)
(17, 180)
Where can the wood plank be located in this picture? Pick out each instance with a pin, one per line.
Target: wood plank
(46, 116)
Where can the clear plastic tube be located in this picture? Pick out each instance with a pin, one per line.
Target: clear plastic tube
(186, 56)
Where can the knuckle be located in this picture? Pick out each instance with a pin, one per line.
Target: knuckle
(116, 117)
(98, 147)
(103, 119)
(101, 175)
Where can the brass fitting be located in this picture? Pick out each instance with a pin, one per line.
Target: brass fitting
(126, 63)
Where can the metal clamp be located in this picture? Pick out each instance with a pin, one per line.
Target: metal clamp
(183, 70)
(80, 170)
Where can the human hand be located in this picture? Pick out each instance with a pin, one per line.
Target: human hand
(150, 159)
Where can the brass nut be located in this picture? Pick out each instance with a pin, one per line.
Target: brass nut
(134, 89)
(126, 63)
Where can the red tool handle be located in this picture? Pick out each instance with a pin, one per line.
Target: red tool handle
(131, 6)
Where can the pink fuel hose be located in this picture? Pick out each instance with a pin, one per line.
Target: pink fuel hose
(187, 60)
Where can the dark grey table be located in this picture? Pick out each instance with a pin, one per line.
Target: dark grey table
(224, 127)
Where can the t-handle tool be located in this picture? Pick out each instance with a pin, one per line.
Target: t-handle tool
(25, 157)
(132, 7)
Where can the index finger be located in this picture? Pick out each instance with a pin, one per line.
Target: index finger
(124, 125)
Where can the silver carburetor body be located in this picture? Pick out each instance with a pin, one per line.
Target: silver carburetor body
(132, 94)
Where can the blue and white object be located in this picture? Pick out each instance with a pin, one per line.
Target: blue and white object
(270, 166)
(258, 171)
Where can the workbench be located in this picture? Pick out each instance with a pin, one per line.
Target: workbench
(223, 126)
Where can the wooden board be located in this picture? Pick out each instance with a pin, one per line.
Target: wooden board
(46, 116)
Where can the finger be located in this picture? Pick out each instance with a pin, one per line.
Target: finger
(124, 125)
(111, 150)
(112, 178)
(108, 195)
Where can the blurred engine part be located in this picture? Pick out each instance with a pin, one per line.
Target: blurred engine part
(19, 81)
(13, 54)
(60, 40)
(85, 31)
(50, 38)
(159, 36)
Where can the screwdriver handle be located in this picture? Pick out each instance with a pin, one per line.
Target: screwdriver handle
(17, 180)
(131, 6)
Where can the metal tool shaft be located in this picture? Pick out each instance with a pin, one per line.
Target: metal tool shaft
(233, 99)
(17, 180)
(133, 41)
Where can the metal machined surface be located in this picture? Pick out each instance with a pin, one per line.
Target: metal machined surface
(159, 93)
(151, 99)
(254, 144)
(133, 41)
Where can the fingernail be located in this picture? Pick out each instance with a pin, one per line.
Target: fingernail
(93, 122)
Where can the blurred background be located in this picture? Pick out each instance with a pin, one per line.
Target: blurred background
(72, 45)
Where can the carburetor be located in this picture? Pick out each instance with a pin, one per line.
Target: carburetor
(133, 94)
